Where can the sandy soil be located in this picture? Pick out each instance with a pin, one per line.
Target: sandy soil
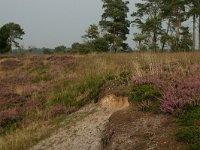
(85, 134)
(133, 130)
(114, 124)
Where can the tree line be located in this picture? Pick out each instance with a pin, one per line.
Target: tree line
(160, 25)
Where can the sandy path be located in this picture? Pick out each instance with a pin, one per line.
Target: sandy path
(83, 134)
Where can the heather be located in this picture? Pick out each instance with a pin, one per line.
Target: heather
(39, 91)
(179, 85)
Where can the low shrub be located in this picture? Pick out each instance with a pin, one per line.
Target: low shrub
(147, 97)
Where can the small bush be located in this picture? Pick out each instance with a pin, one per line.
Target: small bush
(146, 96)
(190, 127)
(125, 76)
(191, 135)
(144, 92)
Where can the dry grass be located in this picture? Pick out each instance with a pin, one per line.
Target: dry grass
(80, 79)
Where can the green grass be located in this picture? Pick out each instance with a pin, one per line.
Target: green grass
(10, 127)
(41, 78)
(79, 93)
(40, 74)
(189, 131)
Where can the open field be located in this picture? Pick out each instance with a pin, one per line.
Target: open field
(131, 96)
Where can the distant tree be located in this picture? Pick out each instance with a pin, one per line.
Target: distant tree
(47, 51)
(75, 45)
(175, 11)
(114, 22)
(60, 49)
(80, 48)
(186, 43)
(194, 12)
(9, 33)
(140, 39)
(99, 44)
(92, 32)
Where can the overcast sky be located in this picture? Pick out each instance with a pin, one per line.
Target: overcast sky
(49, 23)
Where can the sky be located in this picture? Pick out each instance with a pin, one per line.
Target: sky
(50, 23)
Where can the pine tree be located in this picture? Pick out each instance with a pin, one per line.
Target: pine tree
(175, 10)
(194, 12)
(114, 23)
(148, 19)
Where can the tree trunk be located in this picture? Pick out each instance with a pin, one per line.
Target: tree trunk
(155, 41)
(168, 26)
(178, 25)
(114, 42)
(194, 32)
(199, 32)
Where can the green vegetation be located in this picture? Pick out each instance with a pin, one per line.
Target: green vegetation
(145, 92)
(189, 131)
(9, 33)
(115, 23)
(147, 97)
(161, 24)
(76, 81)
(31, 90)
(76, 95)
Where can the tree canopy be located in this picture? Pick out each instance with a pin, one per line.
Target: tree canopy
(9, 34)
(114, 23)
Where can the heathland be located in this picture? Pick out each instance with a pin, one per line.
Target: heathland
(123, 100)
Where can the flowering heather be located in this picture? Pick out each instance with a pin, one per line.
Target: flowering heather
(179, 86)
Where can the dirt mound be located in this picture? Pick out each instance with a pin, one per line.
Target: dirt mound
(115, 87)
(114, 102)
(83, 133)
(131, 130)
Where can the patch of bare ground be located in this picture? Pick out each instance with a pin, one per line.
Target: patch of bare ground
(133, 130)
(79, 135)
(85, 133)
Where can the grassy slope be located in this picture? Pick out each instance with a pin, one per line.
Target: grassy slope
(77, 85)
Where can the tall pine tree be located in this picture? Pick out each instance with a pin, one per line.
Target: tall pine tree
(148, 18)
(114, 23)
